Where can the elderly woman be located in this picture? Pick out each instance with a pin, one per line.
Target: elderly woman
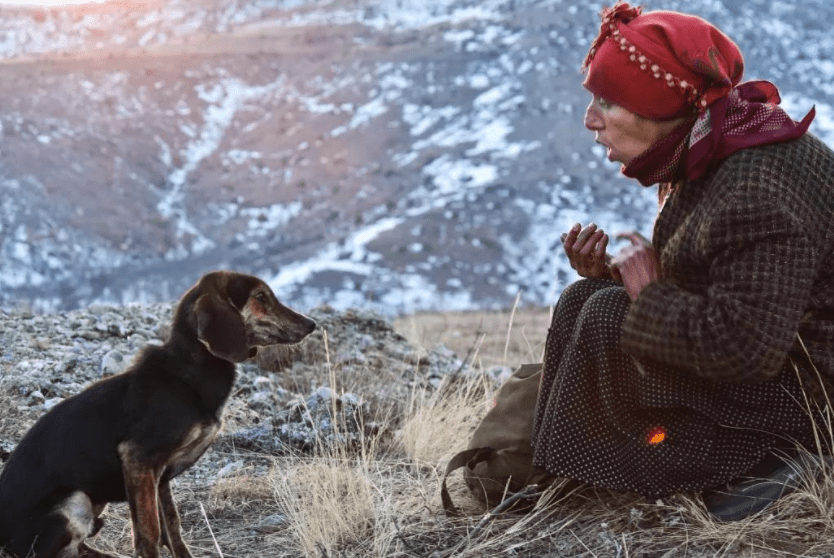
(701, 360)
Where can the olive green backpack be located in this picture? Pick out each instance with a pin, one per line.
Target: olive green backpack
(499, 458)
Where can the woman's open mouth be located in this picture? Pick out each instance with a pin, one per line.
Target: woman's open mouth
(608, 151)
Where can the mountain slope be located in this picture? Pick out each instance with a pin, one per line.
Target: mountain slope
(392, 154)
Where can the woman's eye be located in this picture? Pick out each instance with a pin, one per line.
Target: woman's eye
(603, 103)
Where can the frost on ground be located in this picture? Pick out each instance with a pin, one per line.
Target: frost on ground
(287, 397)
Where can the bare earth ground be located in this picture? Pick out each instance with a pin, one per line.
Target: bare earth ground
(381, 499)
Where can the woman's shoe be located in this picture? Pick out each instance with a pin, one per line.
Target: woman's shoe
(770, 479)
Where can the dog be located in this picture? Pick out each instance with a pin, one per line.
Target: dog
(126, 437)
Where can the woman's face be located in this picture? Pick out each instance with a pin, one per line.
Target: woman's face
(625, 134)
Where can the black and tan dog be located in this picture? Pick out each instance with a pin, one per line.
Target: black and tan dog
(126, 437)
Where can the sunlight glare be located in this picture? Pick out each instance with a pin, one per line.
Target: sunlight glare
(47, 3)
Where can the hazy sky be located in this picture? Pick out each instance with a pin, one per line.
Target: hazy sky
(47, 2)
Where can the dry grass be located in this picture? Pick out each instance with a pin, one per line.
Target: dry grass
(328, 503)
(382, 501)
(498, 338)
(438, 425)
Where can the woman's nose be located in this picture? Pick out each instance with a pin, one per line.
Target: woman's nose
(593, 120)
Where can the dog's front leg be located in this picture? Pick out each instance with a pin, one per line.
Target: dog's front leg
(170, 522)
(141, 483)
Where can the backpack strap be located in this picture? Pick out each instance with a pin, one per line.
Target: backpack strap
(467, 458)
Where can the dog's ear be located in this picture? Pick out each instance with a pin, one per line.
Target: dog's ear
(220, 328)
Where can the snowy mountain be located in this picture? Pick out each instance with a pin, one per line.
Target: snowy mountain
(390, 154)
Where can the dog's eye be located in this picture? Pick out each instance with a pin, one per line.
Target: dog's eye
(261, 297)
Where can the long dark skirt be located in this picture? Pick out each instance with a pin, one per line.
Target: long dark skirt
(606, 419)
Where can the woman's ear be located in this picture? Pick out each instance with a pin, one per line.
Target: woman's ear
(220, 328)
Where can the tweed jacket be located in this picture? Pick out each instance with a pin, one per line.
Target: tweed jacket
(747, 263)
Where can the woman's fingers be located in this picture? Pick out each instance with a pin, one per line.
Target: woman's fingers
(589, 247)
(602, 245)
(569, 238)
(585, 248)
(635, 238)
(586, 233)
(582, 241)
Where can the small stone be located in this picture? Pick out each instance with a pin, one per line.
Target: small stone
(41, 343)
(49, 403)
(6, 449)
(272, 523)
(261, 383)
(260, 399)
(112, 363)
(229, 469)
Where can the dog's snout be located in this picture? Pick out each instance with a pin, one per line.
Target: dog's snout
(284, 326)
(303, 326)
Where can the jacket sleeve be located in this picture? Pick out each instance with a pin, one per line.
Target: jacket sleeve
(761, 266)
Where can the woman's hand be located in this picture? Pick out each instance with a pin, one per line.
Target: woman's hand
(586, 251)
(637, 265)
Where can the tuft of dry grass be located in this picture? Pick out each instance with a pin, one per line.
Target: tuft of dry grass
(328, 502)
(245, 487)
(439, 424)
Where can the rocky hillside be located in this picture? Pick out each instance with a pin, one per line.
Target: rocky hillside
(284, 399)
(387, 154)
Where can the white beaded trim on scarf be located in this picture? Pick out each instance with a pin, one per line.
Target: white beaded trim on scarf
(623, 12)
(687, 89)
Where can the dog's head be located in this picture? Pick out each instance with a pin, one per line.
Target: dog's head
(234, 314)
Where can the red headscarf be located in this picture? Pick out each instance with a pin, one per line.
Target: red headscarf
(667, 65)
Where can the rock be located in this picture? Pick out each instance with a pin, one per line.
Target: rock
(49, 403)
(308, 424)
(230, 468)
(258, 438)
(41, 343)
(112, 363)
(272, 524)
(260, 400)
(6, 449)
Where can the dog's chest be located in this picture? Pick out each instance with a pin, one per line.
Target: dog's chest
(192, 446)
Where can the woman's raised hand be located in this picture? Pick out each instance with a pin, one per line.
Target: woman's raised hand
(585, 248)
(637, 265)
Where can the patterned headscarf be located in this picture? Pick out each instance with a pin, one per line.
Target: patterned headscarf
(666, 65)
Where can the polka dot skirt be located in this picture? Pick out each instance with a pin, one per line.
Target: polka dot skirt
(608, 420)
